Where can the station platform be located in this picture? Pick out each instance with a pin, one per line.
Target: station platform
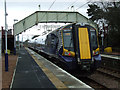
(34, 71)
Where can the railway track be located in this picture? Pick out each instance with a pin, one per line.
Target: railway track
(110, 73)
(111, 63)
(102, 78)
(93, 83)
(110, 80)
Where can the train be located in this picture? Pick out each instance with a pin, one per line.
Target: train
(75, 46)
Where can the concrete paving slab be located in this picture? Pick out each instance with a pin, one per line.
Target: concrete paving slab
(28, 74)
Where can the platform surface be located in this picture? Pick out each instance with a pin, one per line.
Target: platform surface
(34, 71)
(28, 74)
(67, 79)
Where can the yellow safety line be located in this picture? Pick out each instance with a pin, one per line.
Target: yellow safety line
(57, 83)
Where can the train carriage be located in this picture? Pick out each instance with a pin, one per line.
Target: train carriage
(75, 45)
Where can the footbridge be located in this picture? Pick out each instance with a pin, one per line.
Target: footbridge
(50, 17)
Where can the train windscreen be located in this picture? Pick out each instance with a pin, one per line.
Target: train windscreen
(94, 43)
(68, 40)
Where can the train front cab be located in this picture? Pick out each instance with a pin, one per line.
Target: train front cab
(80, 46)
(83, 51)
(86, 46)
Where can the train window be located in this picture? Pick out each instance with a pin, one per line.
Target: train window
(67, 39)
(93, 39)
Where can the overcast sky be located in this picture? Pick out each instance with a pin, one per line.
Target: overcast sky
(19, 9)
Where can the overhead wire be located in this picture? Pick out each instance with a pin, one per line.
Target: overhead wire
(48, 9)
(79, 7)
(71, 4)
(83, 5)
(55, 1)
(51, 4)
(45, 13)
(68, 6)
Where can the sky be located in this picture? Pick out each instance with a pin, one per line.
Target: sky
(19, 9)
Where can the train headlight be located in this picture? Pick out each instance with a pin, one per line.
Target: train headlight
(67, 53)
(96, 52)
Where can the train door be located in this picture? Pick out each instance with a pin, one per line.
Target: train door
(82, 44)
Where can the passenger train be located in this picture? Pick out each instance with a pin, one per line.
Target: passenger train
(76, 45)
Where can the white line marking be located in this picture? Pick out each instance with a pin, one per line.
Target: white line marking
(109, 56)
(13, 75)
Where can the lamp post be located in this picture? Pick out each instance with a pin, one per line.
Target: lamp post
(102, 35)
(22, 39)
(39, 7)
(35, 43)
(72, 8)
(6, 29)
(14, 39)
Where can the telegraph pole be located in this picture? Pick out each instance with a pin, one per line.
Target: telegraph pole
(6, 29)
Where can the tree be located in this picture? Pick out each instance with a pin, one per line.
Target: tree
(95, 12)
(110, 13)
